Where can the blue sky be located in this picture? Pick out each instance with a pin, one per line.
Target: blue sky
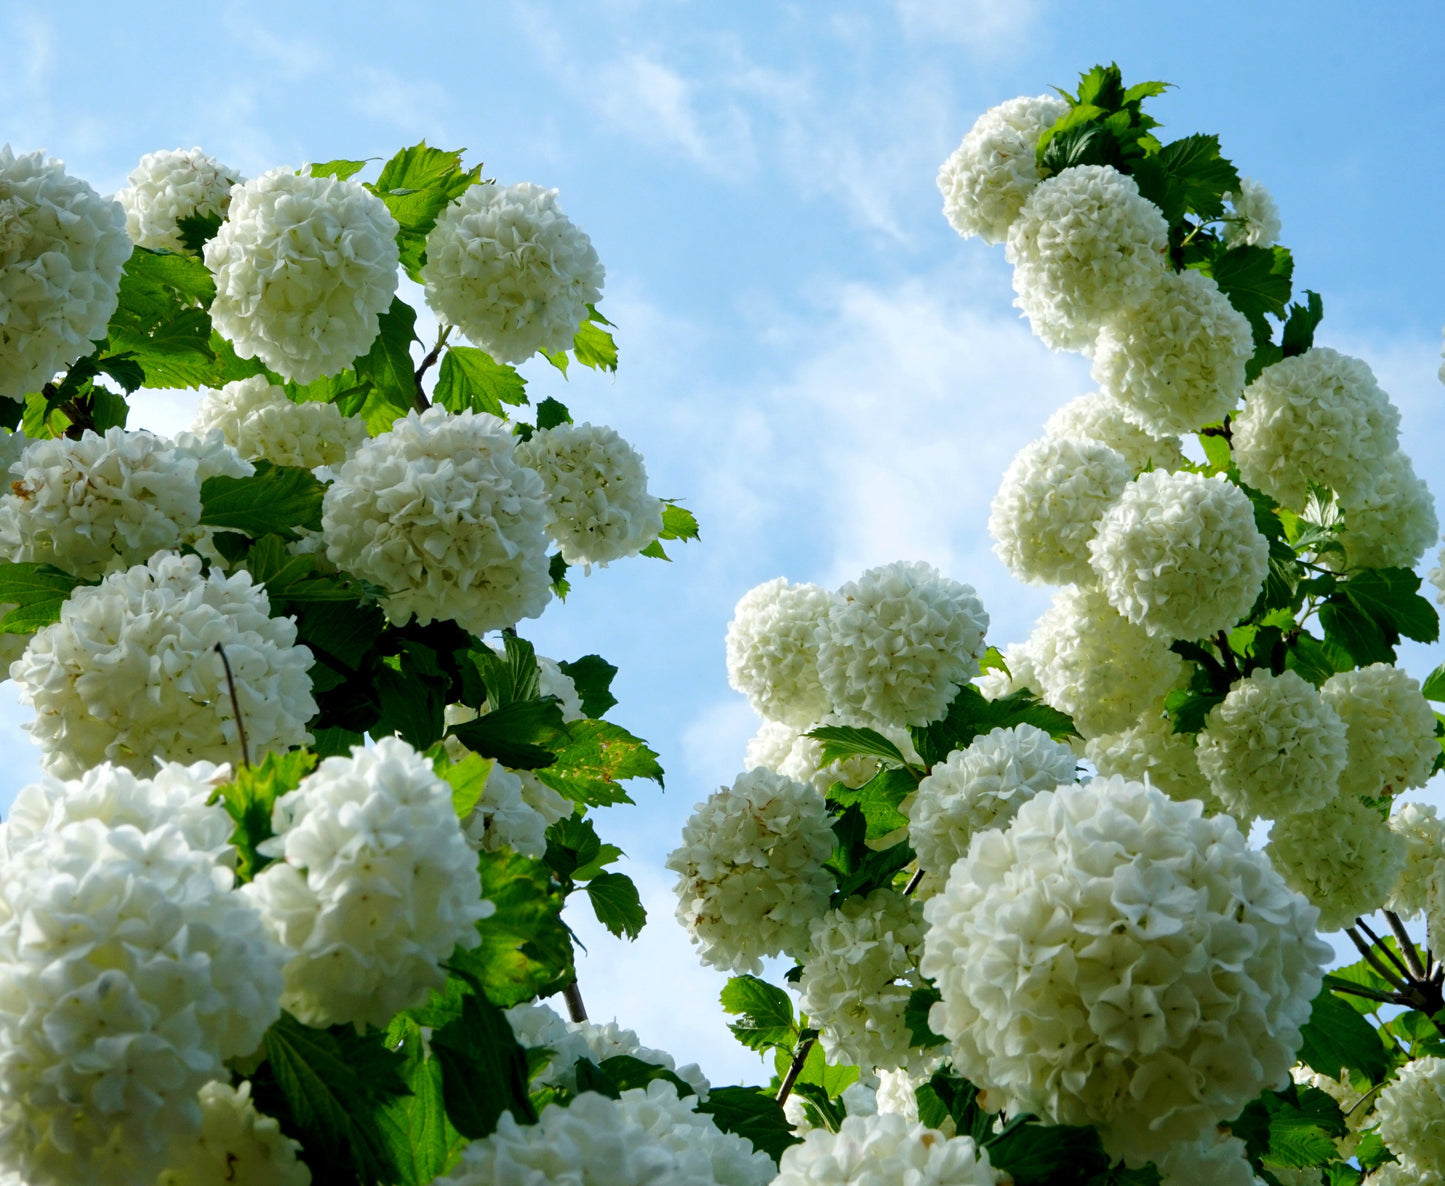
(810, 357)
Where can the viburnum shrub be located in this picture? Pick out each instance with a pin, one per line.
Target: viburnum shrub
(286, 906)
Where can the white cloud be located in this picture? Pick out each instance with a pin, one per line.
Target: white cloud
(985, 26)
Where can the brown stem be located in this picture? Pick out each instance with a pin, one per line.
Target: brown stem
(235, 707)
(1407, 945)
(419, 399)
(912, 884)
(575, 1008)
(1390, 955)
(795, 1068)
(79, 411)
(1364, 950)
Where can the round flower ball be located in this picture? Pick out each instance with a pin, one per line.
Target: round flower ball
(1424, 833)
(439, 513)
(259, 421)
(131, 674)
(1215, 1160)
(1390, 726)
(1317, 417)
(1098, 417)
(772, 651)
(1180, 554)
(982, 786)
(1409, 1109)
(883, 1149)
(1151, 751)
(1272, 747)
(1085, 245)
(862, 966)
(168, 186)
(236, 1144)
(1097, 666)
(750, 876)
(1391, 522)
(304, 267)
(648, 1137)
(62, 249)
(898, 643)
(1343, 857)
(1048, 507)
(129, 968)
(511, 271)
(1114, 958)
(988, 176)
(598, 507)
(1254, 220)
(1175, 359)
(373, 886)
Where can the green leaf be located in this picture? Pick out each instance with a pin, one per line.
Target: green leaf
(1190, 707)
(844, 741)
(339, 169)
(551, 412)
(276, 499)
(592, 676)
(1391, 597)
(654, 551)
(677, 522)
(858, 869)
(1047, 1154)
(1337, 1038)
(617, 905)
(470, 380)
(484, 1069)
(593, 346)
(412, 702)
(512, 675)
(753, 1113)
(198, 229)
(388, 365)
(969, 715)
(879, 799)
(162, 324)
(915, 1016)
(557, 574)
(1256, 280)
(249, 799)
(468, 780)
(422, 1142)
(949, 1096)
(572, 844)
(1434, 686)
(416, 185)
(1304, 1136)
(36, 591)
(1311, 659)
(625, 1072)
(1187, 176)
(766, 1014)
(525, 734)
(1216, 452)
(1300, 325)
(595, 759)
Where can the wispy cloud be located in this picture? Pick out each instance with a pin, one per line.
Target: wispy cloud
(987, 27)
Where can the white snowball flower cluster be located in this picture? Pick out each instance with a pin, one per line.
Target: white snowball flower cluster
(101, 503)
(129, 969)
(1410, 1109)
(647, 1138)
(374, 886)
(1021, 660)
(598, 507)
(258, 420)
(1392, 522)
(861, 968)
(1317, 417)
(982, 786)
(1048, 507)
(750, 876)
(790, 752)
(236, 1144)
(511, 271)
(170, 185)
(1392, 1173)
(897, 644)
(1180, 554)
(515, 809)
(62, 249)
(304, 267)
(1424, 833)
(882, 1150)
(1272, 747)
(1084, 245)
(1097, 666)
(1391, 729)
(1098, 417)
(130, 673)
(986, 179)
(1342, 856)
(1175, 360)
(772, 651)
(1151, 751)
(1114, 958)
(438, 512)
(1255, 220)
(1214, 1160)
(537, 1025)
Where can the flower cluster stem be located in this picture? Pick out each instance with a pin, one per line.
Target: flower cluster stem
(795, 1068)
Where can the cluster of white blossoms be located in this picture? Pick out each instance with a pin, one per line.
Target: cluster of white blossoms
(982, 786)
(1390, 728)
(1424, 833)
(750, 876)
(256, 418)
(1049, 504)
(1272, 747)
(647, 1137)
(1392, 523)
(439, 513)
(882, 1150)
(1214, 1160)
(1084, 246)
(598, 506)
(373, 886)
(1098, 417)
(772, 651)
(1254, 220)
(511, 271)
(304, 267)
(236, 1144)
(1115, 958)
(62, 248)
(1151, 751)
(129, 969)
(131, 673)
(1342, 855)
(1409, 1110)
(1180, 554)
(168, 186)
(861, 968)
(992, 172)
(1175, 360)
(515, 810)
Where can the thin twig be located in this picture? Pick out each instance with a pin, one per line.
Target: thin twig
(795, 1068)
(1407, 945)
(1359, 990)
(575, 1008)
(1364, 950)
(1226, 652)
(912, 884)
(1390, 955)
(420, 399)
(235, 707)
